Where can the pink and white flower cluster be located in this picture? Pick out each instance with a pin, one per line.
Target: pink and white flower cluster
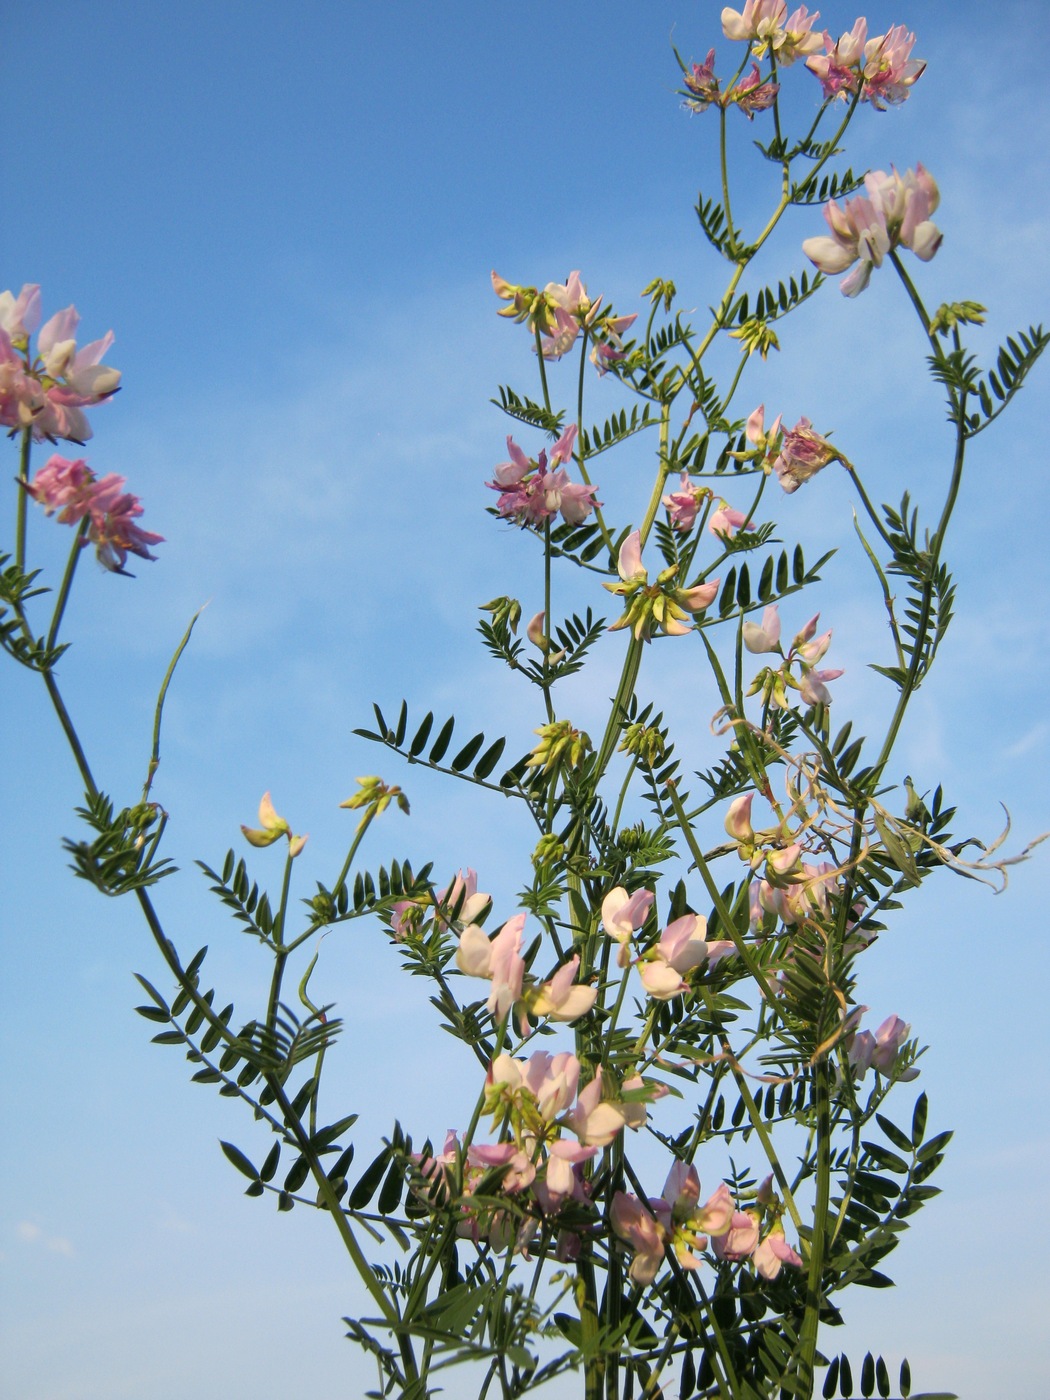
(681, 947)
(532, 491)
(678, 1222)
(45, 393)
(683, 506)
(661, 604)
(894, 212)
(805, 651)
(559, 313)
(793, 454)
(882, 69)
(536, 1099)
(499, 960)
(71, 489)
(768, 27)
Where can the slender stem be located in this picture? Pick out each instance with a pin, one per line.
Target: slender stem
(67, 582)
(22, 501)
(817, 1249)
(280, 951)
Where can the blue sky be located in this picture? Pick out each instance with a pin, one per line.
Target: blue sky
(288, 216)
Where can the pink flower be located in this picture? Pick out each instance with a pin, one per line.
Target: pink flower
(571, 308)
(767, 25)
(725, 520)
(881, 1049)
(498, 959)
(20, 316)
(562, 999)
(72, 489)
(682, 505)
(803, 453)
(838, 68)
(520, 1170)
(534, 491)
(661, 604)
(562, 1180)
(638, 1227)
(46, 393)
(907, 202)
(738, 820)
(64, 486)
(437, 1171)
(595, 1123)
(772, 1253)
(739, 1240)
(894, 212)
(623, 915)
(764, 638)
(548, 1081)
(681, 948)
(465, 888)
(889, 70)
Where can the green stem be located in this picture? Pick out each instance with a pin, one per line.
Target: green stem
(815, 1274)
(22, 503)
(67, 583)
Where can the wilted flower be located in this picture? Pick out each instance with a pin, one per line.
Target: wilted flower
(803, 453)
(112, 529)
(702, 84)
(752, 95)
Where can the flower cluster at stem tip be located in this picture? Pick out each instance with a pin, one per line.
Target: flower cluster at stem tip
(42, 395)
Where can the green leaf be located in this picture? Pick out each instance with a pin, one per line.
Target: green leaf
(896, 1135)
(369, 1181)
(239, 1160)
(918, 1120)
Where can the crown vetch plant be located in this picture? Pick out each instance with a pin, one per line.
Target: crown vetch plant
(685, 961)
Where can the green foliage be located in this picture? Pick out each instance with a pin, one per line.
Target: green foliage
(121, 858)
(16, 590)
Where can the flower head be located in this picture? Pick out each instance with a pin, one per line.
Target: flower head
(71, 489)
(532, 491)
(46, 392)
(803, 453)
(894, 211)
(655, 605)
